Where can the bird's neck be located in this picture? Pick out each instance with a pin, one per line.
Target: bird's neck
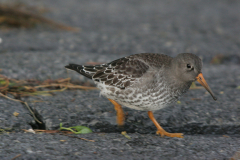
(176, 86)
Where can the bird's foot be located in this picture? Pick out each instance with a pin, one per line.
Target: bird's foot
(164, 133)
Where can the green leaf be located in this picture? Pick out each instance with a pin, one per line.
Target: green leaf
(77, 129)
(2, 82)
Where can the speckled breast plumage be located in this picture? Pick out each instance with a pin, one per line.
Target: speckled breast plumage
(152, 95)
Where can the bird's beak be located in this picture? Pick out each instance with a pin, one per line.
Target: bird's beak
(203, 82)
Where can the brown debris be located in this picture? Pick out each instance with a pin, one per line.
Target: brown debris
(225, 59)
(22, 88)
(236, 156)
(16, 157)
(35, 87)
(218, 59)
(13, 17)
(15, 114)
(52, 131)
(196, 99)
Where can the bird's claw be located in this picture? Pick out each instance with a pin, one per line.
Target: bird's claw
(164, 133)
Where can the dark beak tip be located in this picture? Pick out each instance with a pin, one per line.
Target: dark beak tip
(215, 98)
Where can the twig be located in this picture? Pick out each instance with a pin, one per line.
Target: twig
(125, 134)
(52, 131)
(7, 83)
(78, 137)
(64, 80)
(19, 89)
(16, 156)
(16, 100)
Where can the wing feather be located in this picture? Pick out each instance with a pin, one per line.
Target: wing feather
(121, 73)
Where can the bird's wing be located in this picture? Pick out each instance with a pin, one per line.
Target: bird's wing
(122, 72)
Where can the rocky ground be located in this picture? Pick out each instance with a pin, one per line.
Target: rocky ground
(110, 30)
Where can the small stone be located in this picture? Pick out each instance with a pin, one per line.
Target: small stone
(15, 114)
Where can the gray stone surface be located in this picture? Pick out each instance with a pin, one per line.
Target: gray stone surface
(116, 146)
(8, 121)
(110, 30)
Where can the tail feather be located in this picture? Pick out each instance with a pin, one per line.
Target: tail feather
(82, 70)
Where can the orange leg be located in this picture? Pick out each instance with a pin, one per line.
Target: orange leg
(120, 113)
(160, 130)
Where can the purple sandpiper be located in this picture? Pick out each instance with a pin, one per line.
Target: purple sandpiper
(145, 81)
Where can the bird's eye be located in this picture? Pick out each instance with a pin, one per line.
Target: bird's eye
(189, 66)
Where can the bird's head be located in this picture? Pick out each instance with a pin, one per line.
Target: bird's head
(187, 68)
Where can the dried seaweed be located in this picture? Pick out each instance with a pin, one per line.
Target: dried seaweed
(12, 16)
(17, 89)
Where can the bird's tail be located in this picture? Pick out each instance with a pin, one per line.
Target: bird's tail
(84, 70)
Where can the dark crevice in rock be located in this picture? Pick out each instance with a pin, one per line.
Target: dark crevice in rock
(38, 125)
(35, 124)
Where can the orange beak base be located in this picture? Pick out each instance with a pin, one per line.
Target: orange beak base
(203, 82)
